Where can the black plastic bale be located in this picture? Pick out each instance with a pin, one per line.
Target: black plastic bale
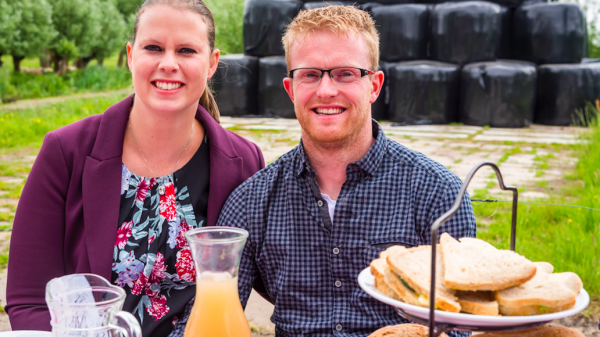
(423, 92)
(273, 100)
(563, 89)
(505, 40)
(464, 32)
(264, 24)
(549, 33)
(379, 108)
(498, 94)
(235, 84)
(369, 6)
(505, 3)
(319, 4)
(402, 31)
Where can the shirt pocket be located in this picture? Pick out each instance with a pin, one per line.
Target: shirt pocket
(376, 246)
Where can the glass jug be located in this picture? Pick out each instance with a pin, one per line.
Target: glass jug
(217, 309)
(87, 305)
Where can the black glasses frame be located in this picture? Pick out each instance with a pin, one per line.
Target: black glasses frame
(363, 72)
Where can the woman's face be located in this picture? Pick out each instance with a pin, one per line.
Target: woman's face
(171, 60)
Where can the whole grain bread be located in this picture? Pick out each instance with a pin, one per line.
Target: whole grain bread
(541, 331)
(403, 330)
(545, 293)
(414, 267)
(474, 265)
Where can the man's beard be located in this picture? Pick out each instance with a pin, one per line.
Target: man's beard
(345, 134)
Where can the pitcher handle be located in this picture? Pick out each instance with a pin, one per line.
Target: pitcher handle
(126, 324)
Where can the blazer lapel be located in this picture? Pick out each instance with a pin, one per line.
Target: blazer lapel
(226, 167)
(101, 182)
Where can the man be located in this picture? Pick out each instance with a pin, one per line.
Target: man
(323, 211)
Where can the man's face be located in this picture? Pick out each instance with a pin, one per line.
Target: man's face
(329, 112)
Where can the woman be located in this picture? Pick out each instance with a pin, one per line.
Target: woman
(114, 193)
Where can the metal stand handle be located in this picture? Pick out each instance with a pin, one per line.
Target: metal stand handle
(441, 220)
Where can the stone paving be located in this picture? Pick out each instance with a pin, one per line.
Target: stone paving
(533, 159)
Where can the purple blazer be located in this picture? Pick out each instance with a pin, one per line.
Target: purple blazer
(67, 216)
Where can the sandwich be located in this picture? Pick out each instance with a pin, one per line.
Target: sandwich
(475, 265)
(544, 293)
(413, 267)
(478, 302)
(403, 330)
(388, 282)
(378, 269)
(540, 331)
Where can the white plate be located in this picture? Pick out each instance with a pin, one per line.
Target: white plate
(25, 333)
(367, 283)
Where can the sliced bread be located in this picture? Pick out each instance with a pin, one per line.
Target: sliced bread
(475, 265)
(403, 330)
(545, 293)
(413, 266)
(478, 302)
(378, 269)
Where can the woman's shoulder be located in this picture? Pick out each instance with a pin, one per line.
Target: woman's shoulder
(81, 136)
(79, 131)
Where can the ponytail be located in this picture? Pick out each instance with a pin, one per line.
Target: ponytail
(208, 102)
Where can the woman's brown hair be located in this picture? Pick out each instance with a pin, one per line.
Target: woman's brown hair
(207, 100)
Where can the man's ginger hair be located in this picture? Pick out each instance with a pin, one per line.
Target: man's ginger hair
(337, 19)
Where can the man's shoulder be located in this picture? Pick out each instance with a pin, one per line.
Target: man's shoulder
(421, 163)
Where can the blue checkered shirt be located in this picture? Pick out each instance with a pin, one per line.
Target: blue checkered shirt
(310, 265)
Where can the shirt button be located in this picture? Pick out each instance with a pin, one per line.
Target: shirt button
(338, 283)
(336, 250)
(338, 327)
(320, 203)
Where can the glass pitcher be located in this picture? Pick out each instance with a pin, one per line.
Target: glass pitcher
(217, 309)
(87, 305)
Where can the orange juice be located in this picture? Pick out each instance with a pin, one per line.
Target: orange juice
(217, 311)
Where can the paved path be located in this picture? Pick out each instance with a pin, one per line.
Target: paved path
(533, 159)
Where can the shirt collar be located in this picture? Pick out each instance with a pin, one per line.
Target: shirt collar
(369, 163)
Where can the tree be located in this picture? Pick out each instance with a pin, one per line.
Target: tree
(128, 8)
(77, 23)
(113, 34)
(9, 17)
(34, 30)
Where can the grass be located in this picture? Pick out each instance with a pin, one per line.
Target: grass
(13, 191)
(564, 236)
(15, 86)
(27, 128)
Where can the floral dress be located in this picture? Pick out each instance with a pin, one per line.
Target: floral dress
(152, 260)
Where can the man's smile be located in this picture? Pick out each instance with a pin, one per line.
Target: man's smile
(328, 110)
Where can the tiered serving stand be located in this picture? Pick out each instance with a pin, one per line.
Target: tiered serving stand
(442, 321)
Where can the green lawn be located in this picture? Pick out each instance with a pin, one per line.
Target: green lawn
(26, 128)
(567, 237)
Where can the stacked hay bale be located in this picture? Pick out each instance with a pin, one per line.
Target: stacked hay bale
(504, 63)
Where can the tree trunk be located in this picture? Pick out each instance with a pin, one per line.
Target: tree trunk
(85, 61)
(62, 63)
(45, 63)
(100, 62)
(0, 60)
(56, 61)
(17, 62)
(121, 57)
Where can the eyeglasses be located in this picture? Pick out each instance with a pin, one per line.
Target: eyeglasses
(344, 75)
